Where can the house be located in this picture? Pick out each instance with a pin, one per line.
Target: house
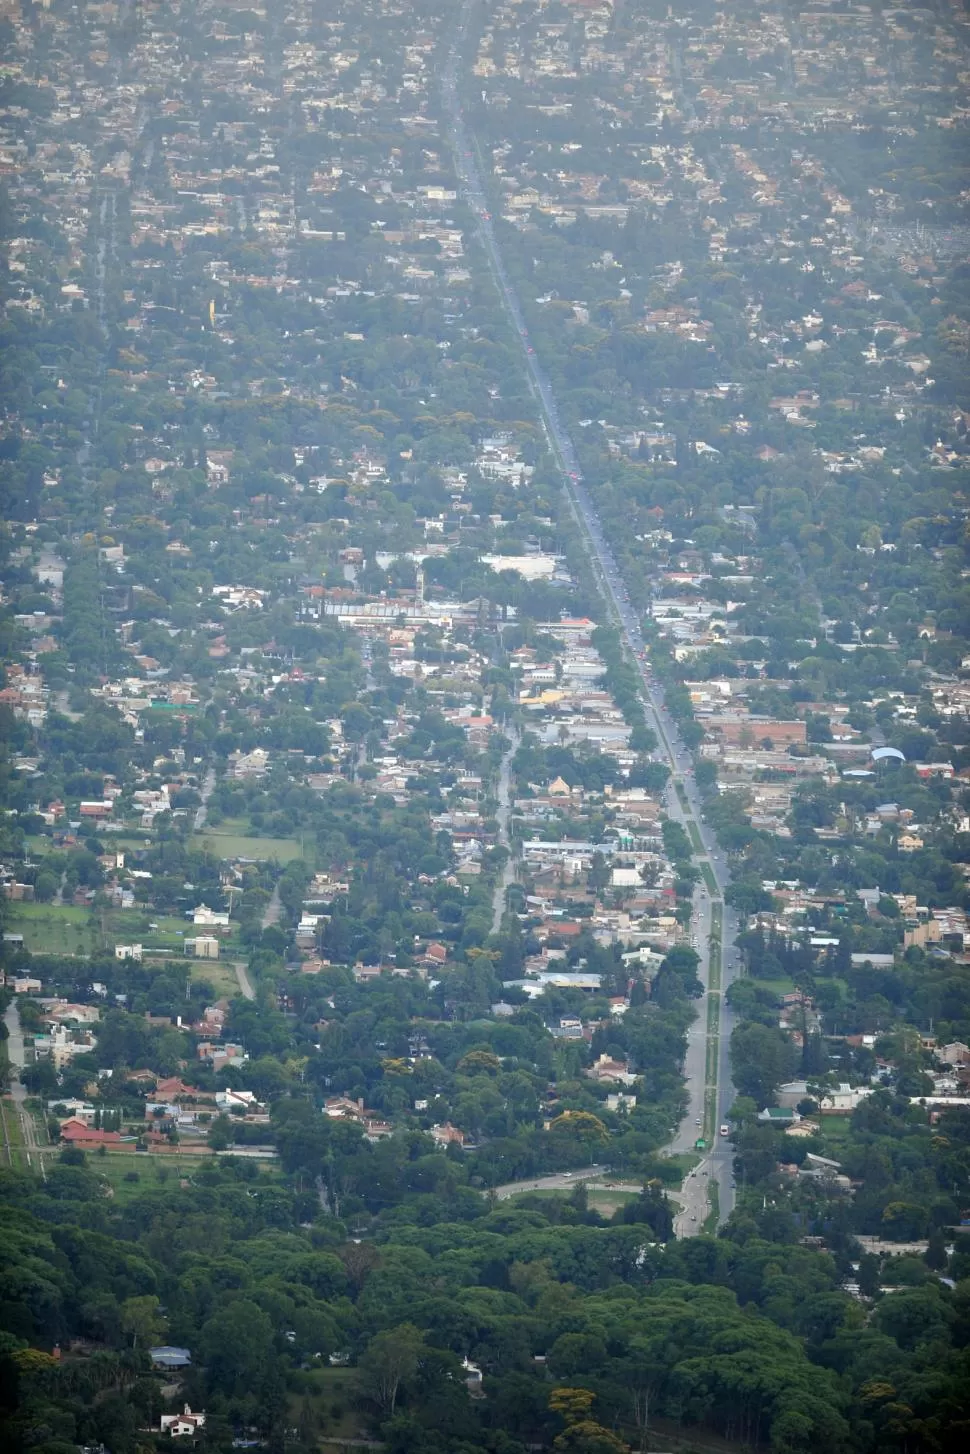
(843, 1100)
(203, 946)
(447, 1135)
(61, 1045)
(205, 918)
(173, 1088)
(24, 985)
(779, 1116)
(606, 1069)
(75, 1133)
(81, 1111)
(244, 1101)
(219, 1055)
(129, 951)
(570, 1027)
(170, 1358)
(185, 1423)
(342, 1108)
(473, 1378)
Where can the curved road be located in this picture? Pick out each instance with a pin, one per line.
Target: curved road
(706, 1067)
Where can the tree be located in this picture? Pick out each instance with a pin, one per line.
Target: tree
(582, 1434)
(141, 1321)
(762, 1058)
(390, 1360)
(236, 1347)
(221, 1135)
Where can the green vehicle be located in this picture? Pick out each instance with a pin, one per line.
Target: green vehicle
(700, 1144)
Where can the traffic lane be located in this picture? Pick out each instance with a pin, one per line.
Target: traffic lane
(695, 1202)
(555, 1181)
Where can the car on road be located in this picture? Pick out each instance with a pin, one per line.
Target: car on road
(725, 1130)
(698, 1121)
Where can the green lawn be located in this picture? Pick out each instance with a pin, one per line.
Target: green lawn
(217, 972)
(12, 1136)
(680, 1166)
(714, 1202)
(779, 987)
(55, 929)
(240, 845)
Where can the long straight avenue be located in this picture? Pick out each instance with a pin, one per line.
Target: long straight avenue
(706, 1067)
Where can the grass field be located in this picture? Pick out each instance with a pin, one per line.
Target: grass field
(129, 1173)
(55, 929)
(240, 845)
(782, 986)
(217, 972)
(604, 1200)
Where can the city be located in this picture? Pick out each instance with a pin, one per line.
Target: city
(486, 680)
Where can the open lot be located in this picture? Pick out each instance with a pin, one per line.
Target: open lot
(55, 929)
(217, 972)
(68, 931)
(241, 845)
(330, 1396)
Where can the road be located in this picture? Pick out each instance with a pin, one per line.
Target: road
(556, 1181)
(18, 1094)
(503, 813)
(205, 794)
(243, 980)
(271, 914)
(706, 1066)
